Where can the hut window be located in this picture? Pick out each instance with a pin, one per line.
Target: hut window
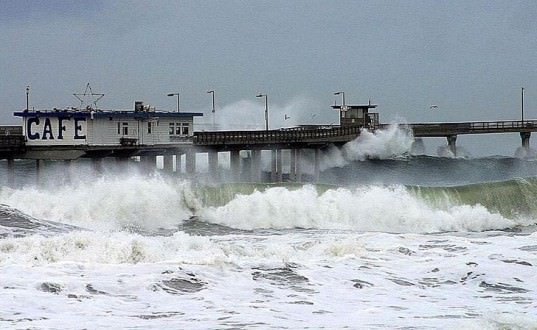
(177, 129)
(118, 128)
(172, 129)
(149, 127)
(185, 128)
(125, 128)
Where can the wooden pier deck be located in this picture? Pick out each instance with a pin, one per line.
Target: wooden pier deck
(12, 141)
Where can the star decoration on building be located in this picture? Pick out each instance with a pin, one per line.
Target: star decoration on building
(88, 99)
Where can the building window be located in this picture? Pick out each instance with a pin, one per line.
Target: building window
(172, 129)
(177, 129)
(149, 127)
(185, 128)
(125, 128)
(118, 128)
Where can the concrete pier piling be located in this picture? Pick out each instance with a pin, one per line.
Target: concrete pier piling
(525, 136)
(452, 144)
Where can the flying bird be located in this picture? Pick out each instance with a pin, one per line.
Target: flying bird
(433, 107)
(286, 117)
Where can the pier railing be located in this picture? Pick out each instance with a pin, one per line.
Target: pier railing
(444, 129)
(295, 135)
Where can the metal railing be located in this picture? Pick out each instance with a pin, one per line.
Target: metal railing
(335, 134)
(442, 129)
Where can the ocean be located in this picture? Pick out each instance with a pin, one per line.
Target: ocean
(397, 241)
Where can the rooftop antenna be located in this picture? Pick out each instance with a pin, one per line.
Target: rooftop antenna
(88, 93)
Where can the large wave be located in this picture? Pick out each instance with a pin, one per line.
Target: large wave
(116, 203)
(366, 208)
(108, 203)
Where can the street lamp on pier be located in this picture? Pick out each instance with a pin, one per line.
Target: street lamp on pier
(266, 109)
(27, 97)
(343, 105)
(174, 94)
(522, 105)
(213, 110)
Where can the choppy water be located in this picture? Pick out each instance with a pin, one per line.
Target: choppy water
(413, 242)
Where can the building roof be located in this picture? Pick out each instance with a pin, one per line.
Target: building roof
(356, 106)
(106, 114)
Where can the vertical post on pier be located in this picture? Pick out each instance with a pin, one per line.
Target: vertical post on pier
(11, 172)
(39, 168)
(167, 163)
(255, 170)
(98, 165)
(69, 168)
(525, 136)
(235, 163)
(452, 144)
(190, 162)
(273, 165)
(122, 163)
(148, 163)
(178, 163)
(298, 168)
(279, 165)
(316, 165)
(292, 166)
(213, 164)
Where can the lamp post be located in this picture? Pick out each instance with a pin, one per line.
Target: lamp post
(266, 109)
(343, 106)
(27, 97)
(174, 94)
(213, 110)
(522, 105)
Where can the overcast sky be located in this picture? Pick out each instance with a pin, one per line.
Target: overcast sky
(470, 58)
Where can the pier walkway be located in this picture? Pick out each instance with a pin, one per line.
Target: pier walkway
(312, 136)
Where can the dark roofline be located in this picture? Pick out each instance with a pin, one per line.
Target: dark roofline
(356, 106)
(105, 114)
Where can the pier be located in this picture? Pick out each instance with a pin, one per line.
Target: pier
(299, 143)
(143, 133)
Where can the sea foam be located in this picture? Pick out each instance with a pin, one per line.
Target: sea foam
(366, 208)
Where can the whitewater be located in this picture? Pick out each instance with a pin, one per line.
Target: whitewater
(392, 241)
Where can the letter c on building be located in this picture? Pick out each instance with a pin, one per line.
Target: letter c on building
(32, 136)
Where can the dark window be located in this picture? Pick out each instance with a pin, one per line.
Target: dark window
(185, 129)
(125, 128)
(177, 129)
(172, 128)
(149, 127)
(118, 128)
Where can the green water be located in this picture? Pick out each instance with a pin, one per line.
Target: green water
(512, 198)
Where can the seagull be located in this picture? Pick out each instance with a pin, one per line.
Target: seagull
(433, 107)
(286, 117)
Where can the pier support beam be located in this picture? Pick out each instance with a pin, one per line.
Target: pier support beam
(235, 163)
(97, 165)
(298, 169)
(273, 167)
(178, 169)
(292, 166)
(212, 157)
(452, 144)
(122, 163)
(190, 162)
(279, 165)
(39, 168)
(11, 172)
(69, 170)
(525, 136)
(148, 163)
(255, 170)
(167, 163)
(316, 165)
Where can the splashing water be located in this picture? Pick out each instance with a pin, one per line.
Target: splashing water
(392, 142)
